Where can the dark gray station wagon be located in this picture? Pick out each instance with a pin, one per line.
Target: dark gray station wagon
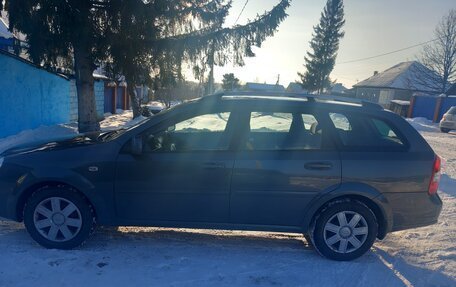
(341, 172)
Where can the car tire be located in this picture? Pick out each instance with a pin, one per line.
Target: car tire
(59, 217)
(443, 130)
(344, 230)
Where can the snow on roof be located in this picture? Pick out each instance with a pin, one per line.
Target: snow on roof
(406, 75)
(4, 32)
(402, 103)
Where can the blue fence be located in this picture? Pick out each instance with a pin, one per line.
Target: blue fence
(30, 97)
(447, 103)
(430, 107)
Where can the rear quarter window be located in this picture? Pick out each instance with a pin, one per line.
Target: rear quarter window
(364, 132)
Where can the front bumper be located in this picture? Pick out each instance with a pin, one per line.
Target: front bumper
(448, 124)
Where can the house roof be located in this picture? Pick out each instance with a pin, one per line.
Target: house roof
(295, 88)
(406, 76)
(264, 87)
(338, 88)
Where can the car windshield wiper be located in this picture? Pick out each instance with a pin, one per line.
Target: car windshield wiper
(110, 134)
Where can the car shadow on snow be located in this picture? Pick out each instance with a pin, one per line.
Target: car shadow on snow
(193, 257)
(447, 185)
(411, 275)
(259, 258)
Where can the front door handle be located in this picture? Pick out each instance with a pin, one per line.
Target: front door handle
(318, 165)
(214, 165)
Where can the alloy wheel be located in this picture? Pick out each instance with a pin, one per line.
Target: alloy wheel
(57, 219)
(346, 231)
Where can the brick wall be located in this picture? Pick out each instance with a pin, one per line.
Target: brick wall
(99, 100)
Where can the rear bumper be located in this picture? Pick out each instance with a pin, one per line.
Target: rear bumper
(412, 210)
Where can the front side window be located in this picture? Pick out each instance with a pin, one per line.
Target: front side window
(200, 133)
(204, 123)
(283, 131)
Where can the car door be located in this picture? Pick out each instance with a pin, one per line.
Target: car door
(285, 159)
(183, 174)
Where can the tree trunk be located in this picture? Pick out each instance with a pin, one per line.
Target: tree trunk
(135, 104)
(87, 112)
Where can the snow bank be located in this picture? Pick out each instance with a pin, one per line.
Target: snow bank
(424, 125)
(45, 133)
(123, 119)
(42, 133)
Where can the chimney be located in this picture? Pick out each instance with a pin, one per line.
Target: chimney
(375, 73)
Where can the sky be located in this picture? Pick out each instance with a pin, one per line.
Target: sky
(372, 27)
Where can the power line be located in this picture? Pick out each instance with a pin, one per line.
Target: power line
(388, 53)
(242, 11)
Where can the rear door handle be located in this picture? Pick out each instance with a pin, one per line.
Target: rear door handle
(214, 165)
(318, 165)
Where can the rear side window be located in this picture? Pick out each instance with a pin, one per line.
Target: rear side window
(340, 121)
(362, 132)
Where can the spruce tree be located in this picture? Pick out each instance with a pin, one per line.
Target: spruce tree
(135, 38)
(324, 45)
(230, 82)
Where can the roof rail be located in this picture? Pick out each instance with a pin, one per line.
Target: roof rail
(309, 97)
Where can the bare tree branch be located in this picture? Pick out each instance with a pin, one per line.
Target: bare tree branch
(440, 55)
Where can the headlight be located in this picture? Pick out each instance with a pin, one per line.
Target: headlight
(1, 161)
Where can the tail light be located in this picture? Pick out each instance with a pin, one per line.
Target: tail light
(435, 176)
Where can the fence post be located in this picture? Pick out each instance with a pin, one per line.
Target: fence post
(438, 104)
(411, 107)
(114, 99)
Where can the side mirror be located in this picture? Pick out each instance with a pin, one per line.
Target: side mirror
(137, 145)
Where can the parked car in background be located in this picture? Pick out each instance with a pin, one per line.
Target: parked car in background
(448, 121)
(155, 107)
(340, 171)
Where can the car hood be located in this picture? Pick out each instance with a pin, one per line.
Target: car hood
(52, 144)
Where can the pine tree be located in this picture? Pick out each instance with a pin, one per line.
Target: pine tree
(324, 45)
(230, 82)
(135, 38)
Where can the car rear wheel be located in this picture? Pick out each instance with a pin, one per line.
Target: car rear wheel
(58, 217)
(344, 230)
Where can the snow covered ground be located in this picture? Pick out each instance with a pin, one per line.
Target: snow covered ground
(131, 256)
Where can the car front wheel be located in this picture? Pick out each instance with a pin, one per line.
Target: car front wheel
(58, 217)
(344, 230)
